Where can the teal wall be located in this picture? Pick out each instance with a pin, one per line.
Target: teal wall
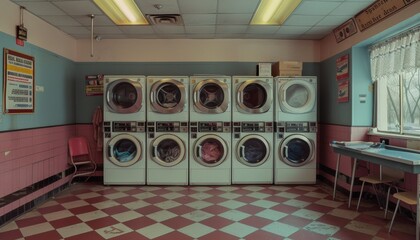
(86, 105)
(54, 106)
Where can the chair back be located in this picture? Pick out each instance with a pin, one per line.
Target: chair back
(78, 146)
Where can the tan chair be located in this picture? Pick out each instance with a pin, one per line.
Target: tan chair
(409, 198)
(388, 178)
(81, 158)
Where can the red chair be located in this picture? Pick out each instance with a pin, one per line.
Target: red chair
(81, 158)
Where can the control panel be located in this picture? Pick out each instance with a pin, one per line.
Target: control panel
(122, 126)
(251, 127)
(170, 126)
(295, 127)
(209, 127)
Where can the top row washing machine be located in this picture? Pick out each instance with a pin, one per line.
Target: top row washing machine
(297, 99)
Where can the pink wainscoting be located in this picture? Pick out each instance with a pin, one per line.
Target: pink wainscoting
(86, 130)
(28, 156)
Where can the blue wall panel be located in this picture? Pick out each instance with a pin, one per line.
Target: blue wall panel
(54, 106)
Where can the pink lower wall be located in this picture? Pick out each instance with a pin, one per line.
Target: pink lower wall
(29, 156)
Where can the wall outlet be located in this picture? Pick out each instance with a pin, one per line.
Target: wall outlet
(386, 140)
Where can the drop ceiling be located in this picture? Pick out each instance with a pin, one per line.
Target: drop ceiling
(202, 19)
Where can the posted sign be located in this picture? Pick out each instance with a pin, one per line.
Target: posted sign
(18, 82)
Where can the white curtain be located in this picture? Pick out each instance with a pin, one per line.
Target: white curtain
(396, 55)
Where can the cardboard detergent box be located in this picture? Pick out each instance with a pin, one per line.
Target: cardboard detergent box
(264, 69)
(287, 68)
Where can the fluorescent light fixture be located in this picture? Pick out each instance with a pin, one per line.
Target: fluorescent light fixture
(122, 12)
(274, 12)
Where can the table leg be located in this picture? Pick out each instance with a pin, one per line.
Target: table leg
(418, 209)
(352, 180)
(336, 175)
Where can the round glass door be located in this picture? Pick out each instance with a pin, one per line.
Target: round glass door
(296, 150)
(253, 150)
(254, 96)
(124, 150)
(297, 96)
(124, 96)
(168, 96)
(211, 96)
(210, 150)
(168, 150)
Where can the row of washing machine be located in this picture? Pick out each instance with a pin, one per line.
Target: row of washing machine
(204, 130)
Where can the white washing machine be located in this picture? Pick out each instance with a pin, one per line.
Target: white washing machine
(124, 153)
(210, 98)
(210, 157)
(167, 98)
(296, 99)
(252, 157)
(295, 160)
(167, 160)
(124, 98)
(252, 99)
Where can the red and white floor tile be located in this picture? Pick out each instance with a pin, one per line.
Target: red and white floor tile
(92, 211)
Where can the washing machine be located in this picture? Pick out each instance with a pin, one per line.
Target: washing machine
(124, 153)
(167, 161)
(167, 98)
(252, 99)
(252, 157)
(295, 160)
(296, 99)
(210, 156)
(124, 98)
(210, 98)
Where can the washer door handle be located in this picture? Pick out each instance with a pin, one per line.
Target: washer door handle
(242, 151)
(109, 151)
(286, 151)
(154, 152)
(199, 148)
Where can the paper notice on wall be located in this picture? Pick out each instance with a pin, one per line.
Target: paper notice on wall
(94, 85)
(343, 91)
(342, 68)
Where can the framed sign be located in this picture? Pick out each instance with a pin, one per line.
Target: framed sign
(18, 82)
(345, 30)
(94, 85)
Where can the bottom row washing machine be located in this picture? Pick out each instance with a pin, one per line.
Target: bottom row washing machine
(167, 161)
(210, 158)
(252, 158)
(124, 153)
(295, 153)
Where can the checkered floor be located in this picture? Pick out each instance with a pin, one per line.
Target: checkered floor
(92, 211)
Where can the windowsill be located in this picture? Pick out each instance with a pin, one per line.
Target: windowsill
(374, 132)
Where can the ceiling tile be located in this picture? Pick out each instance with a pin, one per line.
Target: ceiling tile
(235, 18)
(137, 29)
(113, 36)
(237, 6)
(78, 7)
(41, 8)
(168, 6)
(200, 29)
(198, 6)
(168, 29)
(302, 20)
(292, 30)
(107, 30)
(61, 20)
(333, 20)
(142, 36)
(316, 8)
(262, 29)
(75, 30)
(351, 8)
(319, 30)
(231, 28)
(199, 19)
(230, 35)
(99, 20)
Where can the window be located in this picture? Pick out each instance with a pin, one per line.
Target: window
(396, 74)
(398, 103)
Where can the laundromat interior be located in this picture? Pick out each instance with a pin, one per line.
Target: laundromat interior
(210, 119)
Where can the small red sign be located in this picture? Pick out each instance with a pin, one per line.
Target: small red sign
(20, 42)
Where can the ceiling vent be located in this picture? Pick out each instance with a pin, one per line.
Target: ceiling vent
(165, 19)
